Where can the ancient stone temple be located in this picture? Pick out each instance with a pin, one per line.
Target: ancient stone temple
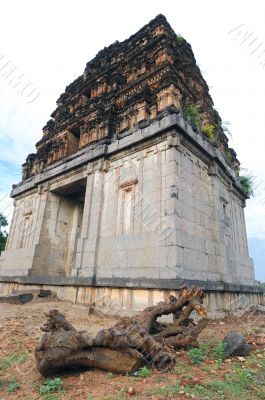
(133, 189)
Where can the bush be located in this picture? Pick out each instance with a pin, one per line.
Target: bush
(144, 372)
(196, 356)
(219, 351)
(208, 131)
(247, 184)
(228, 156)
(192, 114)
(12, 386)
(3, 234)
(179, 39)
(51, 386)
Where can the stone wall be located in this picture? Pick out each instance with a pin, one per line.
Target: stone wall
(158, 207)
(127, 189)
(157, 213)
(128, 301)
(24, 235)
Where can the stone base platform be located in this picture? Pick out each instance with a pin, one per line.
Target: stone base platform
(221, 299)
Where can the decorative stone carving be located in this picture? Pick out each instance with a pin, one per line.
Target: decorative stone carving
(113, 96)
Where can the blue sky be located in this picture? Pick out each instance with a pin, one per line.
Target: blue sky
(50, 43)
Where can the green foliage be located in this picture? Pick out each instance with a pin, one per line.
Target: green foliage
(219, 351)
(12, 359)
(205, 348)
(51, 386)
(179, 39)
(144, 372)
(3, 239)
(247, 184)
(192, 114)
(181, 368)
(196, 356)
(228, 156)
(166, 390)
(3, 221)
(12, 386)
(199, 391)
(208, 131)
(234, 386)
(263, 285)
(3, 235)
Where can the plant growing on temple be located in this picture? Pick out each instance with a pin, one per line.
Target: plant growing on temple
(3, 234)
(247, 183)
(208, 131)
(191, 112)
(179, 39)
(228, 156)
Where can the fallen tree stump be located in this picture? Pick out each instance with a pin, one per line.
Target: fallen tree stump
(130, 343)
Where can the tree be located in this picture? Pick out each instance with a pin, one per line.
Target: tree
(3, 234)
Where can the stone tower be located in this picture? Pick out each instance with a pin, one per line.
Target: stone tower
(133, 189)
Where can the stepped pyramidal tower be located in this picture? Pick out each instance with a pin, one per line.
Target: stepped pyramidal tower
(133, 190)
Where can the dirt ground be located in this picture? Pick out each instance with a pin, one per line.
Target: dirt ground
(210, 378)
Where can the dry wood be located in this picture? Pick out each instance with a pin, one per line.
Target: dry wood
(127, 345)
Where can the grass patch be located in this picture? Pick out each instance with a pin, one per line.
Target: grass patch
(237, 385)
(219, 351)
(166, 390)
(51, 386)
(144, 372)
(181, 368)
(207, 350)
(13, 359)
(196, 356)
(12, 386)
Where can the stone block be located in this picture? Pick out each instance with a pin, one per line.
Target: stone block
(17, 298)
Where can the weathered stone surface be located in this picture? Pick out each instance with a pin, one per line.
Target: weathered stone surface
(45, 293)
(236, 345)
(260, 308)
(123, 190)
(35, 292)
(21, 298)
(112, 296)
(101, 103)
